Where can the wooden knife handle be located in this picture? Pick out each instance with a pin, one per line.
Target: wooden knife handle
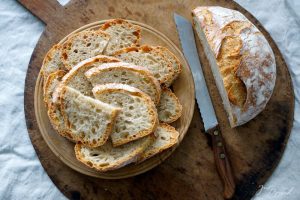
(222, 162)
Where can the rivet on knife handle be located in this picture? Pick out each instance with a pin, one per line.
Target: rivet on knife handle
(222, 162)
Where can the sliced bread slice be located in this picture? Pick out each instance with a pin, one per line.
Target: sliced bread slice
(125, 73)
(169, 108)
(150, 58)
(90, 121)
(54, 112)
(138, 117)
(52, 62)
(166, 137)
(123, 34)
(83, 45)
(107, 157)
(76, 79)
(173, 59)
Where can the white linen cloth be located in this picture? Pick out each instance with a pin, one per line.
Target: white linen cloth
(21, 174)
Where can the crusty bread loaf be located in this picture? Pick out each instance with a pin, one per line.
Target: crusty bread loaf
(76, 79)
(52, 62)
(173, 60)
(125, 73)
(150, 58)
(169, 108)
(107, 157)
(83, 45)
(241, 60)
(123, 34)
(54, 112)
(138, 116)
(90, 121)
(166, 137)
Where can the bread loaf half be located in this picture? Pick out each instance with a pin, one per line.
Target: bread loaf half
(169, 108)
(123, 34)
(83, 45)
(52, 62)
(138, 117)
(76, 79)
(125, 73)
(241, 60)
(107, 157)
(166, 137)
(150, 58)
(90, 121)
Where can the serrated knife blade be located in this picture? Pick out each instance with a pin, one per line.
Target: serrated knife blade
(211, 125)
(187, 39)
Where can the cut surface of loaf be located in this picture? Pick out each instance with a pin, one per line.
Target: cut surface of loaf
(54, 112)
(107, 157)
(125, 73)
(76, 79)
(52, 62)
(166, 137)
(123, 34)
(138, 117)
(90, 121)
(175, 63)
(83, 45)
(169, 108)
(150, 58)
(241, 59)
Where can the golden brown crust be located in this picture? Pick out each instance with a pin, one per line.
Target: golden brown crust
(134, 68)
(121, 88)
(166, 79)
(172, 118)
(67, 44)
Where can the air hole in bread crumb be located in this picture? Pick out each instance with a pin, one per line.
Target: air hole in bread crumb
(75, 51)
(94, 154)
(163, 138)
(130, 107)
(88, 44)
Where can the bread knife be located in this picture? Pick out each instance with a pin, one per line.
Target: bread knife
(211, 125)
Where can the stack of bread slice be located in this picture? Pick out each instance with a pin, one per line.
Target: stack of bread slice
(109, 94)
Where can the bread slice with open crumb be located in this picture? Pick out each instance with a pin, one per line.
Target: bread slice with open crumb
(83, 45)
(52, 62)
(76, 79)
(54, 112)
(166, 137)
(169, 108)
(150, 58)
(173, 59)
(90, 121)
(107, 157)
(125, 73)
(123, 34)
(138, 117)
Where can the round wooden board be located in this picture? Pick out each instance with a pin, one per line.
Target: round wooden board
(183, 87)
(254, 148)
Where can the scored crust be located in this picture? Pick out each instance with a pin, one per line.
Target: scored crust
(66, 47)
(122, 88)
(125, 160)
(166, 79)
(151, 151)
(178, 106)
(130, 67)
(244, 59)
(80, 138)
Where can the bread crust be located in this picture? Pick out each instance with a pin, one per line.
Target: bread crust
(130, 67)
(167, 78)
(122, 88)
(178, 113)
(250, 79)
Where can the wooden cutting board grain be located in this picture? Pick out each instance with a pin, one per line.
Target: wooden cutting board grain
(254, 148)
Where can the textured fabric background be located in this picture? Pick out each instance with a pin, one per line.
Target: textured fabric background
(21, 174)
